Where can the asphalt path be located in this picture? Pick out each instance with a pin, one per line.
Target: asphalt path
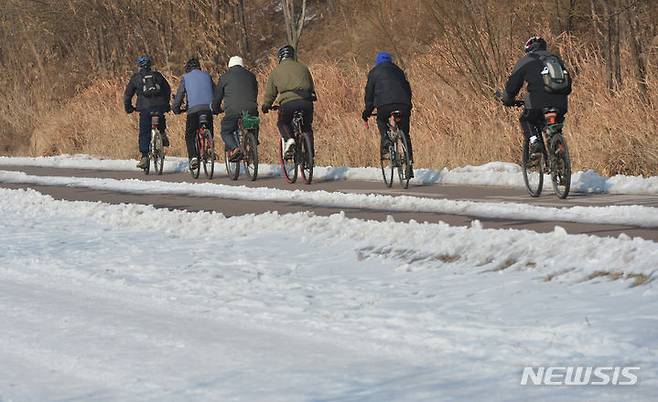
(453, 192)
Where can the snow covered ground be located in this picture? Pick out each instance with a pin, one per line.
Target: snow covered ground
(490, 174)
(130, 303)
(636, 215)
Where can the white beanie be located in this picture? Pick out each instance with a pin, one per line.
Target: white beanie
(235, 61)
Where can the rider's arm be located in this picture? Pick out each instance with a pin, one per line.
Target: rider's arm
(369, 97)
(218, 95)
(166, 90)
(270, 91)
(515, 81)
(178, 99)
(128, 95)
(314, 96)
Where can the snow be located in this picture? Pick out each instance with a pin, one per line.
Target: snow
(490, 174)
(127, 302)
(635, 215)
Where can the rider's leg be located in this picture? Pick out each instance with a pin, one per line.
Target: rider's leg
(144, 133)
(191, 125)
(228, 127)
(285, 118)
(383, 113)
(162, 126)
(307, 109)
(405, 120)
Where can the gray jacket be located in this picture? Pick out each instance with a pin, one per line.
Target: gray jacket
(198, 87)
(238, 89)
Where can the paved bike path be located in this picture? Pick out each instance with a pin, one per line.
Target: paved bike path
(454, 192)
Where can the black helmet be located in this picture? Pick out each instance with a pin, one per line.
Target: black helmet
(144, 61)
(192, 64)
(534, 43)
(286, 52)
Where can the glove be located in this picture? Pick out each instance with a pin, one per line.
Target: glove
(129, 109)
(265, 109)
(365, 115)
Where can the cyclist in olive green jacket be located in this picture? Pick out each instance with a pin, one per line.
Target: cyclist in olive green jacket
(291, 84)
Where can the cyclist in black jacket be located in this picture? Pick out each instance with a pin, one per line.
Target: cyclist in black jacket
(388, 90)
(238, 91)
(531, 69)
(153, 93)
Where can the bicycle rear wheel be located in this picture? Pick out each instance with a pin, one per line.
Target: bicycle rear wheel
(560, 166)
(306, 161)
(209, 155)
(158, 152)
(533, 172)
(198, 147)
(288, 165)
(387, 166)
(404, 162)
(232, 168)
(250, 156)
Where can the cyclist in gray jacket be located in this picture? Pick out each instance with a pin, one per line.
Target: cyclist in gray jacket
(197, 86)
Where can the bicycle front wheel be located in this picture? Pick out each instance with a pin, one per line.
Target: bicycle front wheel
(209, 156)
(404, 162)
(533, 170)
(157, 152)
(250, 156)
(306, 160)
(288, 165)
(560, 166)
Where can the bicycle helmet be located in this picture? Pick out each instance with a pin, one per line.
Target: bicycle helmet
(192, 64)
(286, 52)
(144, 61)
(534, 44)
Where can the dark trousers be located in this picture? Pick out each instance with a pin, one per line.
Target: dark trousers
(229, 126)
(532, 122)
(191, 126)
(287, 112)
(145, 130)
(383, 113)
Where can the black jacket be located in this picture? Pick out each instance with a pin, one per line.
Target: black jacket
(386, 84)
(159, 103)
(238, 89)
(529, 69)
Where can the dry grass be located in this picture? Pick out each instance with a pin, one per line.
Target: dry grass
(451, 125)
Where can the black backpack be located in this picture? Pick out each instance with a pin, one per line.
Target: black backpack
(151, 84)
(556, 77)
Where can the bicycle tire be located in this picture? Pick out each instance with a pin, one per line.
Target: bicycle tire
(387, 166)
(288, 164)
(560, 166)
(196, 172)
(306, 161)
(404, 162)
(533, 170)
(158, 153)
(232, 168)
(250, 157)
(209, 155)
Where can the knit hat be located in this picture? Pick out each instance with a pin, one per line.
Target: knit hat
(235, 61)
(382, 57)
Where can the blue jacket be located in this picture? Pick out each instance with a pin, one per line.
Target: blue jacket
(198, 87)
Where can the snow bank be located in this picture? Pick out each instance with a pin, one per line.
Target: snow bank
(634, 215)
(129, 302)
(489, 174)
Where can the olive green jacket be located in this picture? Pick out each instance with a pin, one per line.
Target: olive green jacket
(289, 81)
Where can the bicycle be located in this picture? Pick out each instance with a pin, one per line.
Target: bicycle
(205, 149)
(156, 148)
(396, 155)
(302, 156)
(246, 136)
(553, 159)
